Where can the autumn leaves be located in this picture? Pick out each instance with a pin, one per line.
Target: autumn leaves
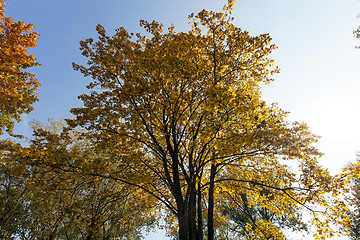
(17, 91)
(174, 128)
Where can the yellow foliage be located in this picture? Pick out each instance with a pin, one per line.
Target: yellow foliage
(178, 116)
(183, 104)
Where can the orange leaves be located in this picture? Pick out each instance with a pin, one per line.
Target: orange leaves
(17, 91)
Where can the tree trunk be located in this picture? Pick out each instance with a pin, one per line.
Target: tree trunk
(211, 203)
(192, 212)
(183, 227)
(200, 233)
(182, 214)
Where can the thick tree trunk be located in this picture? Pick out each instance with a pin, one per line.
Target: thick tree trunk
(183, 227)
(183, 215)
(200, 233)
(192, 212)
(211, 203)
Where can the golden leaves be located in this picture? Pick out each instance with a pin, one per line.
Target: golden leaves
(182, 103)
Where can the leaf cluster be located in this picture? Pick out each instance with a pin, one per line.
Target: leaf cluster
(17, 86)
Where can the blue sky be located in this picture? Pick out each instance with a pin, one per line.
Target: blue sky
(319, 81)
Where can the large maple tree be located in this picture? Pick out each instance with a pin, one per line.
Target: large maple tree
(183, 114)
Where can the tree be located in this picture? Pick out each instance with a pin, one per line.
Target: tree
(354, 215)
(249, 220)
(347, 215)
(13, 198)
(17, 87)
(181, 114)
(54, 201)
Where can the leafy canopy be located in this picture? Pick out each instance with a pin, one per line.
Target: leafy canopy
(181, 114)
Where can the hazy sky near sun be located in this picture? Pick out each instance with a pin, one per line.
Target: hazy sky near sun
(319, 80)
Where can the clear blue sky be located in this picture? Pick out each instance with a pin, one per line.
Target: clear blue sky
(319, 81)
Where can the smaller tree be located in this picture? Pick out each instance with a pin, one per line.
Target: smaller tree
(63, 199)
(13, 196)
(17, 87)
(347, 211)
(248, 220)
(354, 215)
